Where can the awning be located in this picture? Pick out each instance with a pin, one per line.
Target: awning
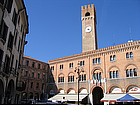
(68, 97)
(113, 97)
(127, 98)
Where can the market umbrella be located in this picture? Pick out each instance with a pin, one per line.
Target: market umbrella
(127, 98)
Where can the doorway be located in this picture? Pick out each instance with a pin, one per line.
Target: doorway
(97, 95)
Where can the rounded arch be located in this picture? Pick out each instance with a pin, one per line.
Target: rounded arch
(61, 90)
(97, 95)
(113, 68)
(83, 90)
(61, 74)
(71, 91)
(96, 68)
(31, 95)
(1, 91)
(9, 94)
(71, 73)
(87, 14)
(130, 66)
(133, 89)
(115, 89)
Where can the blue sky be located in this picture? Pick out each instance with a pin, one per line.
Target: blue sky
(55, 25)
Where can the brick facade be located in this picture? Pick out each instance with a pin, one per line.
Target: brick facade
(107, 70)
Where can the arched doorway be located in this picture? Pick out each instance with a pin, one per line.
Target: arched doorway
(1, 91)
(97, 95)
(9, 94)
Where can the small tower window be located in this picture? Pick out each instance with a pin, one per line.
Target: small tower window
(87, 14)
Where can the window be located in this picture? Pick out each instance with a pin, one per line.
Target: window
(6, 65)
(82, 77)
(26, 73)
(19, 44)
(61, 67)
(38, 66)
(97, 76)
(33, 64)
(12, 62)
(18, 20)
(61, 79)
(113, 58)
(87, 14)
(10, 41)
(15, 41)
(96, 61)
(33, 74)
(129, 55)
(43, 76)
(21, 28)
(27, 63)
(135, 72)
(52, 68)
(9, 5)
(2, 2)
(82, 63)
(14, 19)
(71, 78)
(131, 72)
(3, 32)
(114, 74)
(31, 84)
(44, 67)
(37, 85)
(38, 75)
(70, 65)
(1, 57)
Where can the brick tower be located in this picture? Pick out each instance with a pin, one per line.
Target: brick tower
(89, 39)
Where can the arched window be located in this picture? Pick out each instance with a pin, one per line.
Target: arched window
(113, 58)
(131, 72)
(71, 77)
(114, 73)
(87, 14)
(82, 77)
(97, 75)
(61, 79)
(129, 55)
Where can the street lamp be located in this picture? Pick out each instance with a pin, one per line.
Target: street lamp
(78, 70)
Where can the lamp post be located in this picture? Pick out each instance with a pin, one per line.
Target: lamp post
(78, 70)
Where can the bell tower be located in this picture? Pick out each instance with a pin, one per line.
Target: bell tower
(89, 38)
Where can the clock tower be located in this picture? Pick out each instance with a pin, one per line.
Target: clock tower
(89, 38)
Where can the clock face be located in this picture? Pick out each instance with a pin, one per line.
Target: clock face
(88, 29)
